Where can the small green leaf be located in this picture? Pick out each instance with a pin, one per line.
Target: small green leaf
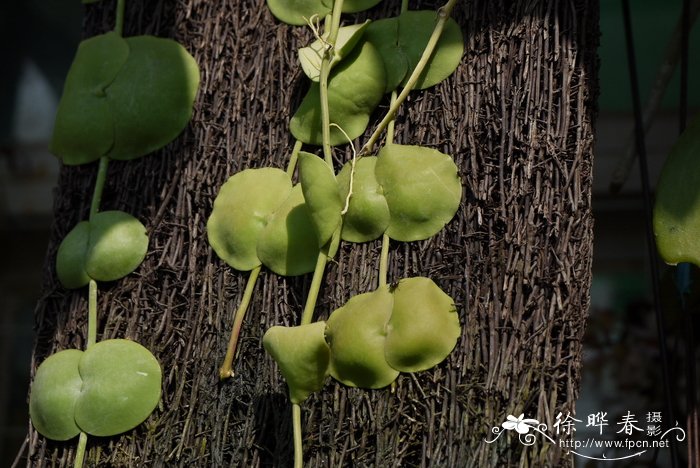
(677, 207)
(321, 194)
(107, 248)
(423, 328)
(356, 335)
(121, 387)
(302, 356)
(422, 190)
(70, 258)
(355, 88)
(296, 12)
(288, 244)
(84, 128)
(311, 56)
(242, 210)
(54, 393)
(368, 213)
(117, 246)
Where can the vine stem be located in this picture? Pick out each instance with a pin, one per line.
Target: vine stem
(226, 369)
(384, 261)
(92, 314)
(323, 80)
(99, 186)
(119, 23)
(296, 425)
(292, 165)
(80, 451)
(443, 15)
(308, 313)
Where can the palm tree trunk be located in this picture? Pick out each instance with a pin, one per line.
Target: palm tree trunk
(517, 117)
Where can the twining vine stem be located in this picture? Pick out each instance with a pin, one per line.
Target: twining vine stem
(80, 451)
(226, 369)
(99, 186)
(119, 23)
(323, 80)
(296, 422)
(292, 165)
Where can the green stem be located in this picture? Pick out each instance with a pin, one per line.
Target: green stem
(92, 314)
(384, 261)
(325, 111)
(80, 451)
(324, 74)
(443, 16)
(404, 5)
(310, 305)
(390, 126)
(296, 424)
(226, 369)
(99, 186)
(119, 24)
(291, 166)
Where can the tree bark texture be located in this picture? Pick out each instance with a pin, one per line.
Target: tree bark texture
(517, 116)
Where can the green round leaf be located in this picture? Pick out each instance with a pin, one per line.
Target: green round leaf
(384, 36)
(241, 210)
(355, 88)
(356, 335)
(311, 56)
(415, 29)
(116, 247)
(124, 98)
(54, 393)
(423, 328)
(677, 206)
(84, 128)
(121, 387)
(107, 248)
(70, 259)
(422, 190)
(288, 244)
(368, 213)
(321, 194)
(297, 11)
(302, 356)
(151, 99)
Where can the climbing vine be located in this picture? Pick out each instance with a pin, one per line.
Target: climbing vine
(261, 217)
(123, 98)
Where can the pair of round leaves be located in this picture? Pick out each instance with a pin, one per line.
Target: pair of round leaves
(297, 12)
(409, 192)
(108, 247)
(677, 206)
(259, 217)
(124, 98)
(368, 341)
(108, 389)
(402, 40)
(408, 328)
